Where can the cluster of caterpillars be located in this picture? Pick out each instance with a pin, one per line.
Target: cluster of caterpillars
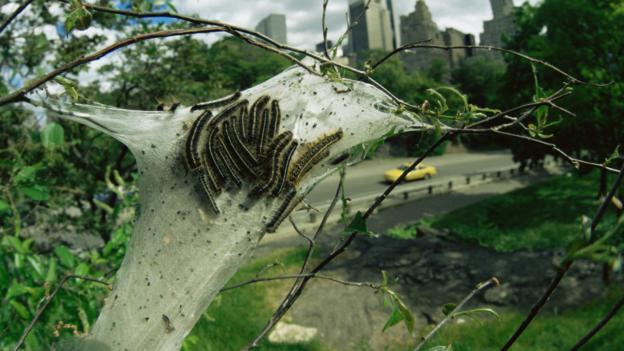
(242, 146)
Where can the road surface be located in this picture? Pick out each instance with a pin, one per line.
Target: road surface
(366, 178)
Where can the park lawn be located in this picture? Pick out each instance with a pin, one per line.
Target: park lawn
(549, 331)
(540, 216)
(235, 317)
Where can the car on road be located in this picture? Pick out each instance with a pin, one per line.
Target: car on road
(421, 172)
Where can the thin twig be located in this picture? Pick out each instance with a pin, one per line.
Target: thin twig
(605, 204)
(561, 271)
(299, 276)
(576, 162)
(488, 48)
(561, 93)
(15, 13)
(448, 317)
(299, 231)
(18, 94)
(612, 312)
(324, 25)
(47, 301)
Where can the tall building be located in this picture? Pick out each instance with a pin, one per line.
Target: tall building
(274, 26)
(394, 23)
(419, 26)
(500, 26)
(372, 29)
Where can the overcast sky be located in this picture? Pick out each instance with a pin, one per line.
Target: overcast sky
(303, 17)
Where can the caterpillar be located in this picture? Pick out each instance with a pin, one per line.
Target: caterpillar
(240, 147)
(314, 153)
(217, 103)
(283, 211)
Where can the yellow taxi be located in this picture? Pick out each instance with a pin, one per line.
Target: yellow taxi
(421, 172)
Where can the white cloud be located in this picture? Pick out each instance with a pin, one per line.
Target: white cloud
(9, 8)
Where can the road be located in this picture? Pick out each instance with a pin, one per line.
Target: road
(366, 178)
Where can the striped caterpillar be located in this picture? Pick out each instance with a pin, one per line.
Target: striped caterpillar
(241, 146)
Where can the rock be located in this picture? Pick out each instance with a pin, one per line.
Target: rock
(499, 296)
(284, 333)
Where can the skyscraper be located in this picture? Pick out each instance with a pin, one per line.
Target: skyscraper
(274, 26)
(372, 29)
(394, 23)
(495, 29)
(419, 26)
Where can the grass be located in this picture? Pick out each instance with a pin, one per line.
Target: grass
(541, 216)
(548, 332)
(236, 316)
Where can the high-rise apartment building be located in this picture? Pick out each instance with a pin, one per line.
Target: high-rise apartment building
(372, 29)
(274, 26)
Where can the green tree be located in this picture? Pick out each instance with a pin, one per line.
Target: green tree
(584, 38)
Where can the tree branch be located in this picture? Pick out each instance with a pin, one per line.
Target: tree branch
(299, 276)
(19, 94)
(15, 13)
(612, 312)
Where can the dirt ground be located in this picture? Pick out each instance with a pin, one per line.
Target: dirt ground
(430, 271)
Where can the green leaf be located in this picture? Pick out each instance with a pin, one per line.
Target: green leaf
(51, 276)
(400, 312)
(36, 192)
(52, 136)
(82, 269)
(15, 290)
(80, 18)
(67, 258)
(20, 309)
(395, 317)
(478, 310)
(171, 7)
(35, 263)
(26, 174)
(358, 224)
(4, 206)
(408, 317)
(70, 87)
(448, 308)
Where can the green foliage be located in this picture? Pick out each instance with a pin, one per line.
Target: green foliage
(512, 222)
(399, 310)
(79, 17)
(581, 37)
(479, 78)
(153, 74)
(34, 164)
(550, 332)
(52, 136)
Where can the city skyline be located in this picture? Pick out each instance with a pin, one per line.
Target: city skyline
(303, 19)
